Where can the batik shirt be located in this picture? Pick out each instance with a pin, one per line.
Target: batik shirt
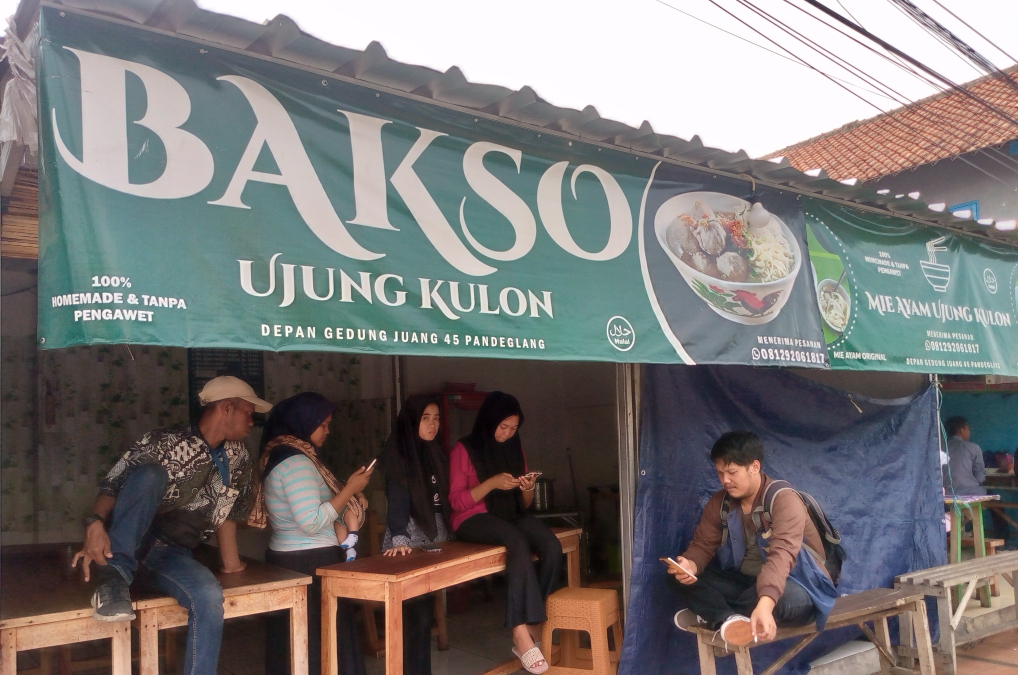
(196, 502)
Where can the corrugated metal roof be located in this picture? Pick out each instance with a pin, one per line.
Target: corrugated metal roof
(283, 40)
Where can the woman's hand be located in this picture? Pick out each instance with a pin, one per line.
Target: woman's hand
(398, 550)
(527, 482)
(359, 479)
(362, 499)
(503, 481)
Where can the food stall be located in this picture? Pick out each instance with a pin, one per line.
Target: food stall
(207, 183)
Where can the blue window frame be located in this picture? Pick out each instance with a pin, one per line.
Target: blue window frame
(972, 206)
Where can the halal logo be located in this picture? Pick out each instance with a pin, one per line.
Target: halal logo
(990, 279)
(621, 334)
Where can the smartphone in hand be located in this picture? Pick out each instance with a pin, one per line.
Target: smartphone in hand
(368, 467)
(673, 564)
(531, 475)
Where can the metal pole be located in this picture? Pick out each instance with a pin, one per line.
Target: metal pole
(399, 387)
(627, 390)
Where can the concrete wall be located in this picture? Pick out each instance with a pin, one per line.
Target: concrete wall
(953, 181)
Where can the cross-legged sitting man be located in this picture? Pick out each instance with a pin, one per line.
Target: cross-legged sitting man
(170, 492)
(738, 581)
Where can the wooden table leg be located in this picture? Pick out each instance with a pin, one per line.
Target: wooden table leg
(705, 650)
(299, 631)
(743, 662)
(148, 642)
(884, 637)
(122, 648)
(330, 649)
(979, 544)
(64, 662)
(946, 644)
(440, 621)
(954, 541)
(573, 567)
(921, 623)
(9, 652)
(393, 629)
(170, 651)
(46, 660)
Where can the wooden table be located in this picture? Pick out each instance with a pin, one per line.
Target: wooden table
(875, 605)
(394, 579)
(258, 589)
(42, 607)
(955, 627)
(958, 506)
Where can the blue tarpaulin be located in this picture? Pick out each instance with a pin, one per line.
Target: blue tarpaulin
(874, 466)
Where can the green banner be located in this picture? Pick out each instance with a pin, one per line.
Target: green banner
(194, 196)
(896, 297)
(199, 197)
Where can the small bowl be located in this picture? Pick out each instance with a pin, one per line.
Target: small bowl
(840, 290)
(746, 303)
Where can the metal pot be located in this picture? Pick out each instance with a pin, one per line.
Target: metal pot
(544, 494)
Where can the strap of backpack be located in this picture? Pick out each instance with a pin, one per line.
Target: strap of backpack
(726, 507)
(768, 503)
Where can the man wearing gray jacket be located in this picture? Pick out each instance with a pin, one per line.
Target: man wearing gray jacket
(967, 470)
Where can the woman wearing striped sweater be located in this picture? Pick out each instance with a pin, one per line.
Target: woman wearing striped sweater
(308, 510)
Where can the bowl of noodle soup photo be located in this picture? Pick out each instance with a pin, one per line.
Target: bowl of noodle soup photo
(835, 305)
(737, 257)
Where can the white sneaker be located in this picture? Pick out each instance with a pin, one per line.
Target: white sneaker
(737, 630)
(685, 619)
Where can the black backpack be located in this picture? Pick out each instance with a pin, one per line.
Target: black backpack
(834, 553)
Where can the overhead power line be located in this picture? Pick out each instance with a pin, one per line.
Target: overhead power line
(952, 40)
(958, 133)
(755, 44)
(892, 118)
(966, 24)
(894, 50)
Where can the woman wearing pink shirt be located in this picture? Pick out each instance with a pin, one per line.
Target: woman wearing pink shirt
(490, 492)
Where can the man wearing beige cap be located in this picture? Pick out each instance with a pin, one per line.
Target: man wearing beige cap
(166, 495)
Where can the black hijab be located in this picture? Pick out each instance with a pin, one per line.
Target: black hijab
(297, 416)
(490, 457)
(411, 461)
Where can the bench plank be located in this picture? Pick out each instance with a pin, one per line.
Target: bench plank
(1004, 561)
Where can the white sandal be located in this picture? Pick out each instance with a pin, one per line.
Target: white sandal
(529, 658)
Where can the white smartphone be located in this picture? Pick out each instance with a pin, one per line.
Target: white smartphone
(533, 474)
(368, 468)
(676, 565)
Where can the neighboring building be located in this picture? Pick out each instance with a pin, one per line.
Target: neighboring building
(948, 147)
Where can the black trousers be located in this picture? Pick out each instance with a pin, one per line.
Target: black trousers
(718, 594)
(528, 588)
(277, 638)
(418, 616)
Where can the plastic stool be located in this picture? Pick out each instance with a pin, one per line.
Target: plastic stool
(593, 610)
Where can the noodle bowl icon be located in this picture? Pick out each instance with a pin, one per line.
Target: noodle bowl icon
(938, 274)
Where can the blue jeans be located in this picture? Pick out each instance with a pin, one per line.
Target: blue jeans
(172, 569)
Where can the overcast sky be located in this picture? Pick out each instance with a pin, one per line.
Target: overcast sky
(638, 60)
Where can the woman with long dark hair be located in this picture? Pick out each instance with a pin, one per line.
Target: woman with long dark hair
(418, 513)
(307, 506)
(490, 492)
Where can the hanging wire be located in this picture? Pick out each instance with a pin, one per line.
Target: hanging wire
(918, 64)
(966, 24)
(890, 117)
(957, 45)
(757, 45)
(962, 137)
(991, 152)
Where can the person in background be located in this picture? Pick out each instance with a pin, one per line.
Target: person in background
(304, 503)
(170, 492)
(735, 581)
(418, 514)
(490, 491)
(965, 469)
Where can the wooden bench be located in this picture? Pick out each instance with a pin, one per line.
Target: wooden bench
(258, 589)
(42, 607)
(392, 580)
(955, 628)
(991, 549)
(875, 605)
